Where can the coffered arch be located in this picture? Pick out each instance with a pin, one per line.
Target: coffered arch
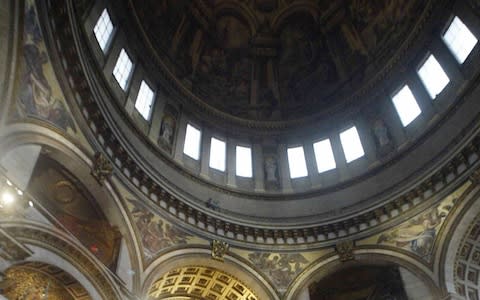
(201, 257)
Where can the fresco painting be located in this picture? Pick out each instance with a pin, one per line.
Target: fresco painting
(75, 209)
(280, 268)
(38, 93)
(418, 235)
(255, 61)
(154, 233)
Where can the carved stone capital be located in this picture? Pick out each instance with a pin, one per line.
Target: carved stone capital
(219, 249)
(344, 250)
(102, 168)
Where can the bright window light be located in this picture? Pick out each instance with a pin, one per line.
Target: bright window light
(243, 161)
(459, 39)
(296, 162)
(144, 101)
(217, 154)
(406, 106)
(122, 69)
(103, 30)
(433, 76)
(324, 156)
(351, 144)
(193, 137)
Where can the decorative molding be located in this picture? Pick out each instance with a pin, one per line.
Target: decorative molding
(198, 282)
(93, 270)
(11, 249)
(344, 250)
(102, 168)
(219, 249)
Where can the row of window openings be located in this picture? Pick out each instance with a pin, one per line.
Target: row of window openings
(350, 141)
(457, 37)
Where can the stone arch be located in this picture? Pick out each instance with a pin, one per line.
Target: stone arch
(78, 161)
(331, 264)
(455, 240)
(196, 256)
(35, 278)
(239, 10)
(51, 246)
(307, 8)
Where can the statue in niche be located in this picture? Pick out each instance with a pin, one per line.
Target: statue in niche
(382, 137)
(166, 131)
(271, 168)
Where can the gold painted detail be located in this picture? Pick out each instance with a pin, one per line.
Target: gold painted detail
(199, 283)
(219, 249)
(35, 280)
(57, 245)
(102, 168)
(344, 250)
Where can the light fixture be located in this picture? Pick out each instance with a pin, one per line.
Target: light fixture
(11, 197)
(7, 198)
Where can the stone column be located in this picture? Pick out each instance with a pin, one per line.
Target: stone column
(283, 171)
(231, 167)
(180, 140)
(258, 167)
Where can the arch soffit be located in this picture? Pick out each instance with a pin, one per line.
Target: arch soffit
(54, 247)
(453, 236)
(196, 256)
(59, 274)
(329, 264)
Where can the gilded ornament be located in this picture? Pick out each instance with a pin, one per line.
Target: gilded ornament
(219, 249)
(102, 168)
(344, 250)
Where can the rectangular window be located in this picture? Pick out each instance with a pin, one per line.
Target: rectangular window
(406, 106)
(243, 161)
(433, 76)
(351, 144)
(217, 154)
(324, 156)
(123, 69)
(296, 162)
(459, 40)
(193, 138)
(103, 30)
(144, 101)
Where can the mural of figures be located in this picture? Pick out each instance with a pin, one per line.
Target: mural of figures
(224, 69)
(304, 53)
(304, 62)
(155, 234)
(72, 205)
(281, 268)
(167, 129)
(39, 95)
(418, 234)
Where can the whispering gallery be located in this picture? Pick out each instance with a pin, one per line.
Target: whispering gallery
(240, 149)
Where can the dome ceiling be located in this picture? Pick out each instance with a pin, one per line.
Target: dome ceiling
(276, 60)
